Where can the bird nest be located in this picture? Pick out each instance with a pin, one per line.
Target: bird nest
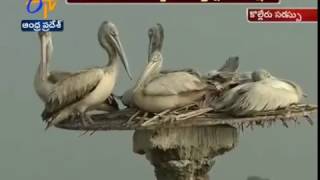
(191, 115)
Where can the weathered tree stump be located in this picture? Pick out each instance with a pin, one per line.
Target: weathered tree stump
(184, 153)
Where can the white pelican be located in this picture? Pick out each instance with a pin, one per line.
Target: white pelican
(156, 36)
(90, 87)
(45, 80)
(264, 93)
(156, 91)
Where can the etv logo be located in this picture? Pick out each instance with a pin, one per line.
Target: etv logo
(44, 25)
(46, 5)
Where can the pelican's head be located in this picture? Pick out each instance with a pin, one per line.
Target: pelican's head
(46, 51)
(108, 36)
(261, 74)
(156, 36)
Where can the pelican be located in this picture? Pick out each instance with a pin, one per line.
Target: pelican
(156, 37)
(156, 91)
(264, 93)
(90, 87)
(44, 80)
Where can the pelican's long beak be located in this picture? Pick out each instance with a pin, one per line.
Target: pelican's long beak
(43, 66)
(122, 55)
(49, 48)
(156, 40)
(150, 48)
(151, 68)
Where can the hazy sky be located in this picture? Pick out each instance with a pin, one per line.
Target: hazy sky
(199, 36)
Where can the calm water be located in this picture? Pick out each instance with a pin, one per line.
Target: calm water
(195, 36)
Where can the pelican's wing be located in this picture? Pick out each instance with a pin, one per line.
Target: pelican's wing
(259, 96)
(296, 87)
(226, 72)
(56, 76)
(228, 97)
(173, 84)
(73, 88)
(231, 65)
(188, 70)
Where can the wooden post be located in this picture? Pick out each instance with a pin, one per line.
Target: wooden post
(184, 153)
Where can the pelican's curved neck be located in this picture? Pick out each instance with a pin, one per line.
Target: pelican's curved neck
(43, 70)
(113, 60)
(112, 65)
(151, 71)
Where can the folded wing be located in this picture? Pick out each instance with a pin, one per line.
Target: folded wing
(257, 96)
(174, 84)
(72, 89)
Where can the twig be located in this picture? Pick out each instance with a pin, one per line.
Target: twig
(188, 118)
(308, 118)
(284, 123)
(157, 116)
(193, 114)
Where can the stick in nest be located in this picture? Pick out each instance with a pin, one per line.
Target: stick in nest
(309, 119)
(130, 121)
(173, 117)
(115, 120)
(155, 117)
